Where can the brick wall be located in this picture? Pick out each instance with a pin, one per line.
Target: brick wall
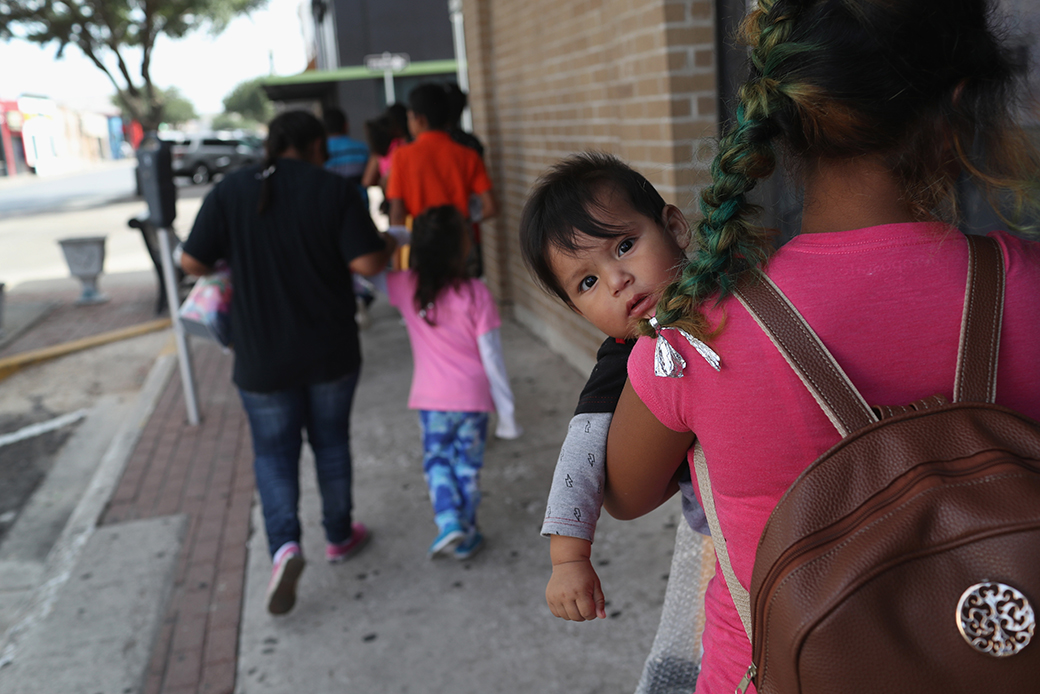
(548, 78)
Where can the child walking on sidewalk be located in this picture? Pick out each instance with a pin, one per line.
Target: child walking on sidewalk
(459, 373)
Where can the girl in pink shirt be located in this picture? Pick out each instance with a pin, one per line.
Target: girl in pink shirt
(459, 374)
(876, 105)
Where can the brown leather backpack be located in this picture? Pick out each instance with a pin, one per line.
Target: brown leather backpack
(907, 557)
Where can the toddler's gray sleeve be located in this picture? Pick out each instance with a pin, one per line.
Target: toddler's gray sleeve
(576, 495)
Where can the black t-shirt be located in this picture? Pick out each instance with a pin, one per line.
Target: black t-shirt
(601, 394)
(292, 306)
(603, 389)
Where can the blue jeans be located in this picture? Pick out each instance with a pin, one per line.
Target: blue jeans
(277, 421)
(453, 453)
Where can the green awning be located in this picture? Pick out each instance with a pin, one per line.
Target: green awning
(315, 84)
(360, 72)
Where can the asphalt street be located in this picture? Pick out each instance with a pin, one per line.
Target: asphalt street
(68, 192)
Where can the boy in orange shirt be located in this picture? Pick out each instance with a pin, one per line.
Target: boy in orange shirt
(433, 169)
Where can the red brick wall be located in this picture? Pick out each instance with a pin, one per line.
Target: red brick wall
(548, 78)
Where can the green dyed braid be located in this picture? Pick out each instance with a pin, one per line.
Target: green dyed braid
(728, 239)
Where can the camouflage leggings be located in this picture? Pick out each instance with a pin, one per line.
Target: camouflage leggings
(453, 453)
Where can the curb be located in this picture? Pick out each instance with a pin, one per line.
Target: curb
(84, 518)
(17, 362)
(19, 319)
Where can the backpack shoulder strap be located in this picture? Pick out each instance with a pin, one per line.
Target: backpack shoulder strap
(805, 352)
(740, 595)
(976, 379)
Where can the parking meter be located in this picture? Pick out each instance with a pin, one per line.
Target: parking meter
(155, 168)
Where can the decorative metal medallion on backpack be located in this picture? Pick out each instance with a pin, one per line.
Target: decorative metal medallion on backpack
(995, 618)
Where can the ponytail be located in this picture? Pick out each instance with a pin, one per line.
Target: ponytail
(290, 130)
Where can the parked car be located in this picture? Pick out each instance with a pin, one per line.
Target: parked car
(201, 156)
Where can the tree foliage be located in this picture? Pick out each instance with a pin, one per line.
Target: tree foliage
(235, 121)
(177, 109)
(231, 121)
(249, 101)
(112, 33)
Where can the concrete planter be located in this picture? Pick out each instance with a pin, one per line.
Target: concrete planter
(86, 259)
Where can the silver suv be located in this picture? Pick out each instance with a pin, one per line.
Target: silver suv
(201, 156)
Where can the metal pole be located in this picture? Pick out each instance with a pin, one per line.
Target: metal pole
(329, 42)
(183, 354)
(458, 33)
(388, 86)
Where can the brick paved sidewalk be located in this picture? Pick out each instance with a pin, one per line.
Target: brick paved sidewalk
(205, 472)
(127, 306)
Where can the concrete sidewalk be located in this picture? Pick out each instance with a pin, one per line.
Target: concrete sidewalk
(165, 593)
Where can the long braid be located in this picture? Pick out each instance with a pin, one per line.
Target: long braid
(915, 86)
(728, 239)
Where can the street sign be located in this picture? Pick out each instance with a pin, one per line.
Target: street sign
(388, 63)
(381, 62)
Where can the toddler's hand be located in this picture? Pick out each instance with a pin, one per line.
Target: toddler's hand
(574, 592)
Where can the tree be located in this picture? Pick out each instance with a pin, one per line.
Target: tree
(110, 32)
(249, 101)
(232, 121)
(176, 107)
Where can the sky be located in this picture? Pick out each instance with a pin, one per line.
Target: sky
(204, 68)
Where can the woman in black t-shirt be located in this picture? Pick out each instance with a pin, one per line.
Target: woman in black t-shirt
(292, 233)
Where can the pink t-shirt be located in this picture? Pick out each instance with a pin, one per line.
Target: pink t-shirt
(384, 162)
(887, 302)
(449, 375)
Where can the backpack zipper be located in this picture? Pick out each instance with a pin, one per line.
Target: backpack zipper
(746, 681)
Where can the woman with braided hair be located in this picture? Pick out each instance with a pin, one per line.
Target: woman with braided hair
(875, 108)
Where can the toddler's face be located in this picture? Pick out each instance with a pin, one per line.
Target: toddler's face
(616, 282)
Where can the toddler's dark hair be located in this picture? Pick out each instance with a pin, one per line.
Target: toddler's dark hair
(559, 210)
(437, 255)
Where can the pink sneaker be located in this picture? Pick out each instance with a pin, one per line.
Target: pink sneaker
(359, 537)
(281, 591)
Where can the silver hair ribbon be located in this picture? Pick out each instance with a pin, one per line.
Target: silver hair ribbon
(668, 363)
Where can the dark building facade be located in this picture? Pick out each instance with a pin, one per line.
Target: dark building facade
(342, 33)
